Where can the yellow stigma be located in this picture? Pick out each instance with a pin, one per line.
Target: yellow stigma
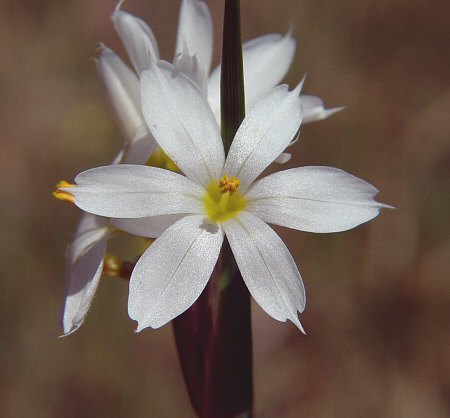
(63, 194)
(222, 199)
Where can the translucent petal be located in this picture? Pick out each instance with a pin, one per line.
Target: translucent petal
(141, 148)
(91, 230)
(122, 88)
(195, 31)
(132, 191)
(266, 61)
(173, 272)
(267, 267)
(314, 199)
(264, 134)
(191, 66)
(151, 227)
(314, 110)
(137, 37)
(84, 270)
(180, 119)
(283, 158)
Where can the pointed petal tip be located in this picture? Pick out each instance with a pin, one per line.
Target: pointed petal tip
(299, 87)
(298, 324)
(290, 30)
(69, 330)
(99, 47)
(384, 206)
(329, 112)
(288, 36)
(117, 8)
(141, 326)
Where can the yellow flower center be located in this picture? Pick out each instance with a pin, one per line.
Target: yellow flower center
(62, 194)
(222, 200)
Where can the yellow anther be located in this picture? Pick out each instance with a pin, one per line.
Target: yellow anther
(228, 185)
(63, 194)
(112, 265)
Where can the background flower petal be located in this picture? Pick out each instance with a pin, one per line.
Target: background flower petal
(141, 148)
(195, 31)
(267, 267)
(190, 65)
(137, 38)
(84, 270)
(122, 88)
(314, 199)
(314, 110)
(150, 227)
(266, 61)
(172, 273)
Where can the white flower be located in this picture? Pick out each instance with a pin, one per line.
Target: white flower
(218, 197)
(266, 59)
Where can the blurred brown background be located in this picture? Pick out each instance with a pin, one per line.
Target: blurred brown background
(378, 296)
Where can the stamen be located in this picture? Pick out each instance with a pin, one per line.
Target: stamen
(112, 265)
(63, 194)
(228, 185)
(222, 199)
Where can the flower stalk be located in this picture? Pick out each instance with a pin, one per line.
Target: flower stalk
(213, 337)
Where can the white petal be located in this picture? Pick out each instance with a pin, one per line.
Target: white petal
(91, 230)
(151, 227)
(314, 110)
(264, 134)
(314, 199)
(133, 191)
(267, 267)
(137, 38)
(180, 119)
(283, 158)
(141, 148)
(193, 68)
(84, 270)
(122, 88)
(172, 273)
(266, 61)
(195, 31)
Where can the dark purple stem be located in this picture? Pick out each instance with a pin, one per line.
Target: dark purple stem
(213, 337)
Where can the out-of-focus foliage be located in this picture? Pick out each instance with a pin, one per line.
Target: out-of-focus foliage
(378, 296)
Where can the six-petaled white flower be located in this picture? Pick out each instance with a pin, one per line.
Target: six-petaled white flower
(220, 196)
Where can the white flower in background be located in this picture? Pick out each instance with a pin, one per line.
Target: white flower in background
(220, 196)
(87, 251)
(266, 59)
